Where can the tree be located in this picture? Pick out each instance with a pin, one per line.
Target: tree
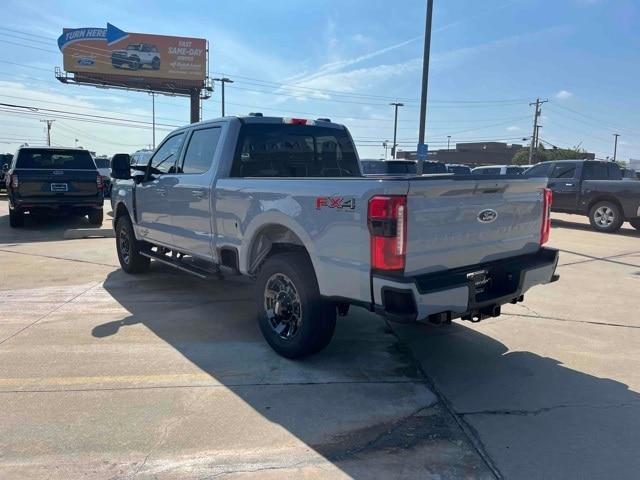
(544, 155)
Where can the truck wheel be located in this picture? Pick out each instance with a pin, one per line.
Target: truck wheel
(96, 216)
(16, 218)
(606, 216)
(155, 63)
(293, 317)
(635, 223)
(129, 248)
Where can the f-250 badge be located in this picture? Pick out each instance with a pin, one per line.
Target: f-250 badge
(340, 203)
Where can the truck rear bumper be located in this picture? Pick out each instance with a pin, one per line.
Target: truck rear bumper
(476, 291)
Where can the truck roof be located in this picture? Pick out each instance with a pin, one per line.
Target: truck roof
(266, 120)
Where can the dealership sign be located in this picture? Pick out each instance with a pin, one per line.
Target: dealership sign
(132, 57)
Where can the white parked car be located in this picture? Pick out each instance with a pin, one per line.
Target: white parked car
(500, 170)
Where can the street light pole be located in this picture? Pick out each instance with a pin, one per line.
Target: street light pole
(425, 71)
(615, 146)
(223, 80)
(448, 142)
(395, 128)
(153, 113)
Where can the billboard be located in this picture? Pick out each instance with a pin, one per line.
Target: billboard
(111, 56)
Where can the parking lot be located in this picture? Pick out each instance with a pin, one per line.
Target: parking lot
(167, 376)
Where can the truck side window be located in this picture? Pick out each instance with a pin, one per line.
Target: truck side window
(540, 170)
(564, 170)
(595, 171)
(198, 157)
(164, 159)
(614, 171)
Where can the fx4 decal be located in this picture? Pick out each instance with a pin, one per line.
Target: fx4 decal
(340, 203)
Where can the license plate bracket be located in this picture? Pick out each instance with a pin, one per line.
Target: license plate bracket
(59, 187)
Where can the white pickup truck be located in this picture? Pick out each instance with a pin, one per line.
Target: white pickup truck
(283, 200)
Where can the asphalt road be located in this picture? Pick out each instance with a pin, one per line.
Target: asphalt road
(104, 375)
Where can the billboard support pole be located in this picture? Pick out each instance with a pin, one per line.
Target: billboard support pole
(153, 112)
(195, 105)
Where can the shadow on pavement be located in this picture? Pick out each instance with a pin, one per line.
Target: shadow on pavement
(43, 227)
(362, 397)
(626, 229)
(535, 417)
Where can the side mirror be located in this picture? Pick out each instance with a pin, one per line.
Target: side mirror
(5, 167)
(121, 166)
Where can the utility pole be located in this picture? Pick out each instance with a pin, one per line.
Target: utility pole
(49, 123)
(385, 144)
(448, 142)
(153, 110)
(534, 139)
(615, 146)
(223, 80)
(425, 78)
(395, 128)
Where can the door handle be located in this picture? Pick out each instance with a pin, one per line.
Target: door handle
(198, 193)
(162, 192)
(568, 184)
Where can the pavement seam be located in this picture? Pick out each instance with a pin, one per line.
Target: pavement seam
(226, 385)
(49, 313)
(57, 258)
(591, 258)
(570, 320)
(538, 411)
(467, 430)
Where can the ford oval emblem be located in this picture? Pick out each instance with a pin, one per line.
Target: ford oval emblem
(487, 216)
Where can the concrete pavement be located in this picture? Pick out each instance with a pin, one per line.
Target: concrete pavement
(551, 389)
(105, 375)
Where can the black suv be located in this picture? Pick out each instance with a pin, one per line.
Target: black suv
(54, 179)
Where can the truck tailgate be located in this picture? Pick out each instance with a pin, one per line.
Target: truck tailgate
(466, 221)
(57, 183)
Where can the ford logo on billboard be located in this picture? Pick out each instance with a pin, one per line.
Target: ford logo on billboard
(86, 61)
(487, 216)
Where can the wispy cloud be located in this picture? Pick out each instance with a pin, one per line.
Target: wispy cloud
(563, 94)
(513, 128)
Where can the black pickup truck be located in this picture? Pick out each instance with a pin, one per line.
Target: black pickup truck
(55, 180)
(592, 188)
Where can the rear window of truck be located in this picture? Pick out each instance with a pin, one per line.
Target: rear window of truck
(279, 150)
(55, 159)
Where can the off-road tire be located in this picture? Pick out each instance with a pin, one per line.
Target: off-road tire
(16, 218)
(317, 316)
(155, 64)
(96, 216)
(635, 223)
(131, 261)
(613, 212)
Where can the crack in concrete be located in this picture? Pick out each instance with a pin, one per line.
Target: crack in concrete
(165, 434)
(538, 411)
(471, 435)
(540, 316)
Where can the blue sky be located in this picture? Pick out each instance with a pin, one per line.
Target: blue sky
(347, 60)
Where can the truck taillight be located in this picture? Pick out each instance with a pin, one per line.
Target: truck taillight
(387, 220)
(99, 182)
(546, 215)
(13, 180)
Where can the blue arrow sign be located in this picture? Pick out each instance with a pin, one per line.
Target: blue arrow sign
(114, 34)
(111, 34)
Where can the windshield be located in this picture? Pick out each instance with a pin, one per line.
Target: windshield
(55, 159)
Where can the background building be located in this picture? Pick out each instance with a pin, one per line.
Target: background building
(485, 153)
